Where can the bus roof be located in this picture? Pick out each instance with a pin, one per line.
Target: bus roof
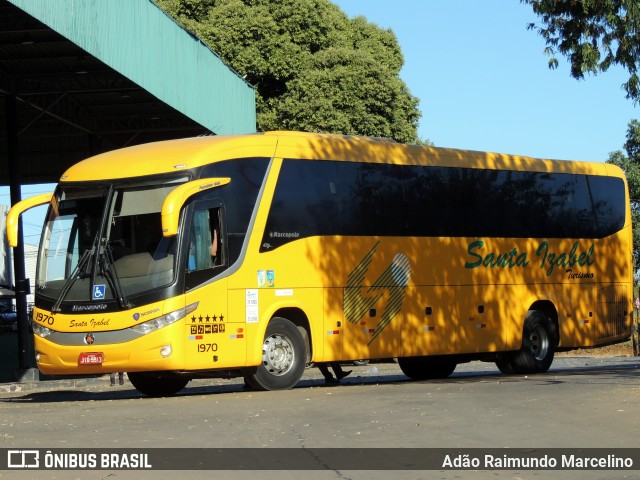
(184, 154)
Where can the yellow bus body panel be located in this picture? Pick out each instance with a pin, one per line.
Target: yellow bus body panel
(172, 156)
(140, 354)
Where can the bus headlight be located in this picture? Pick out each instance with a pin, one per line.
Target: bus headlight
(166, 320)
(41, 330)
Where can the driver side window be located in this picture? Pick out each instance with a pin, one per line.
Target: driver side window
(207, 250)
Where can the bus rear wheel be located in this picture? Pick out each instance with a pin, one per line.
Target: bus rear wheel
(539, 340)
(155, 384)
(505, 363)
(283, 357)
(425, 368)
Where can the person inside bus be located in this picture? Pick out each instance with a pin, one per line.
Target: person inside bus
(193, 264)
(214, 245)
(337, 369)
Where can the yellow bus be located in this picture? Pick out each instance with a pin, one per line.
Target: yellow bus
(250, 256)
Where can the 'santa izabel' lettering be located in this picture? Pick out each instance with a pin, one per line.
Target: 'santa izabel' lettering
(513, 258)
(491, 260)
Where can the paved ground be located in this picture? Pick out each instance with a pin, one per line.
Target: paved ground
(582, 402)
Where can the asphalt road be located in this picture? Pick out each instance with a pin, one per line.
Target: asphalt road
(582, 402)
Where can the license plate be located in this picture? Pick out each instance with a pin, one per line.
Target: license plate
(90, 358)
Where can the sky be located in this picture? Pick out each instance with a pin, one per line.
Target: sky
(484, 84)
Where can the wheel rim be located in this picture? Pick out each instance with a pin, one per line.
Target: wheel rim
(278, 354)
(539, 341)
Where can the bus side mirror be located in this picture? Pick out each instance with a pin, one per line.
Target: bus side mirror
(178, 197)
(18, 209)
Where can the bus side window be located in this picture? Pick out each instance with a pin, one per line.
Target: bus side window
(206, 246)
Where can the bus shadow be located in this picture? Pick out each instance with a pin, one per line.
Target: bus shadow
(560, 374)
(628, 372)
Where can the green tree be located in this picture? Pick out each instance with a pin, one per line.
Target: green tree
(314, 69)
(629, 161)
(593, 35)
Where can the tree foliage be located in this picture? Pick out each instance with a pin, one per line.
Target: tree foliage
(629, 161)
(314, 69)
(593, 35)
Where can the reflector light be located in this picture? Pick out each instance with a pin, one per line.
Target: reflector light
(166, 351)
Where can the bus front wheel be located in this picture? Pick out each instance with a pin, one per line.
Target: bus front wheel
(539, 340)
(283, 357)
(154, 384)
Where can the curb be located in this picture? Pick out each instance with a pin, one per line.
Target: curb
(54, 384)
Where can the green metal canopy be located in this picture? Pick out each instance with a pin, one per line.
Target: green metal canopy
(94, 75)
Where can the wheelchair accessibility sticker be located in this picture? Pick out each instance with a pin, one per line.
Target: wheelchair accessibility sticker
(99, 292)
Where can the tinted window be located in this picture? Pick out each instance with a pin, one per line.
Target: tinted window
(306, 203)
(239, 196)
(607, 196)
(345, 198)
(370, 196)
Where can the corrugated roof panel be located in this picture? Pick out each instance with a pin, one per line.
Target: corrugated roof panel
(140, 41)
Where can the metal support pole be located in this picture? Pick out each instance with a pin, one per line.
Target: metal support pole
(635, 340)
(22, 283)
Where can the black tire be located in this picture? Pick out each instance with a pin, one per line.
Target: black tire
(539, 341)
(155, 384)
(505, 363)
(360, 363)
(283, 357)
(425, 368)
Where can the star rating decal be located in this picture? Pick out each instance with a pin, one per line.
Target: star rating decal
(207, 319)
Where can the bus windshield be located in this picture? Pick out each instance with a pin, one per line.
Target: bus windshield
(103, 243)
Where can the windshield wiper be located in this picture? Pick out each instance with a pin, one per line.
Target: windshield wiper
(80, 269)
(111, 275)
